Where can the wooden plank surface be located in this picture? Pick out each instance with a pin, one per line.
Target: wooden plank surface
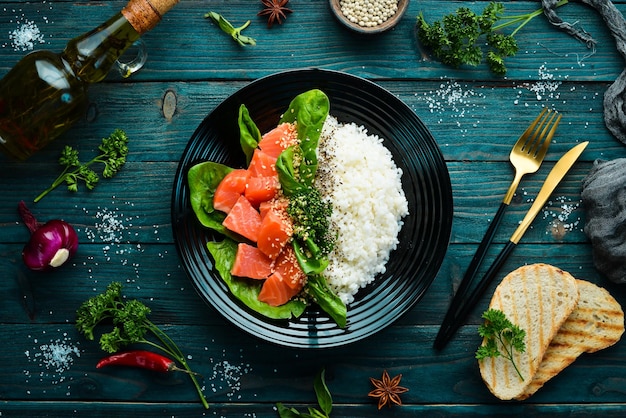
(474, 117)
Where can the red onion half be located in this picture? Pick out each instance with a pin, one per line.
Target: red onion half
(50, 244)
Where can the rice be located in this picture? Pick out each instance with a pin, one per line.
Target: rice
(356, 173)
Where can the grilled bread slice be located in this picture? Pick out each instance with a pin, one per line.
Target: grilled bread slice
(595, 324)
(538, 298)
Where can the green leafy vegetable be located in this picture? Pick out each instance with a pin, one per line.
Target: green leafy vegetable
(203, 179)
(131, 325)
(327, 299)
(455, 40)
(324, 400)
(249, 134)
(228, 28)
(309, 110)
(499, 332)
(113, 152)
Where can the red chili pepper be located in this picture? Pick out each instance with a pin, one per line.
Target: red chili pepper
(140, 358)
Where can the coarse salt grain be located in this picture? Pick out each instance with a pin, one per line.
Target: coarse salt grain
(457, 101)
(53, 359)
(545, 88)
(227, 376)
(559, 211)
(26, 36)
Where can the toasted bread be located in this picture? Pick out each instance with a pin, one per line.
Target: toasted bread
(538, 298)
(595, 324)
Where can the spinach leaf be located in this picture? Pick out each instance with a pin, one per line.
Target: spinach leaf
(324, 398)
(310, 110)
(287, 173)
(249, 134)
(203, 179)
(247, 291)
(310, 265)
(327, 299)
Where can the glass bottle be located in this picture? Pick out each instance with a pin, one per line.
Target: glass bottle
(45, 93)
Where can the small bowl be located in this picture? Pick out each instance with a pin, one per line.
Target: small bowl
(386, 25)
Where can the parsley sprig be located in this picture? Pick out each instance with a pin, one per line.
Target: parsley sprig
(498, 331)
(455, 39)
(113, 152)
(129, 319)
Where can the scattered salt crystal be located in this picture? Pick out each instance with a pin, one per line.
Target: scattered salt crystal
(559, 210)
(53, 359)
(227, 376)
(545, 88)
(26, 36)
(453, 98)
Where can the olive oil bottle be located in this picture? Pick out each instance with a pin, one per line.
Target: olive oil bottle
(45, 93)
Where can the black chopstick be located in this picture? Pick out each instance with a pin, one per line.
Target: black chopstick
(464, 301)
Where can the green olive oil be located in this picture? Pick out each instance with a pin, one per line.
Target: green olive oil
(45, 93)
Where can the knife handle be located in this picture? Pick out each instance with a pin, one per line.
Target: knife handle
(479, 256)
(464, 302)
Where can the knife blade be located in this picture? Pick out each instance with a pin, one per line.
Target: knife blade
(463, 302)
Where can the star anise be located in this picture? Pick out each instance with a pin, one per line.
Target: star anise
(275, 10)
(387, 390)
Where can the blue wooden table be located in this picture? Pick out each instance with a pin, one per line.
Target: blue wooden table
(124, 227)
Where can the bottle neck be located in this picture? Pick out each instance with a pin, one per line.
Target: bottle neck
(142, 15)
(92, 54)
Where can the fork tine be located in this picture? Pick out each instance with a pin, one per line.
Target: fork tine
(537, 133)
(540, 153)
(523, 139)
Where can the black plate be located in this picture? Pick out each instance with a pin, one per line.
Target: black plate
(426, 183)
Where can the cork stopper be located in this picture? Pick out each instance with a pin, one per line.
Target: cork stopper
(144, 15)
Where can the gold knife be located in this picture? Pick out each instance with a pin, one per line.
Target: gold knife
(466, 301)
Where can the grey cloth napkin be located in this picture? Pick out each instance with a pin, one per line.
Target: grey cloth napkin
(615, 95)
(604, 201)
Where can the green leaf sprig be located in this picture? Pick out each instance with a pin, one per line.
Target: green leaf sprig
(113, 152)
(324, 400)
(131, 325)
(455, 40)
(228, 28)
(498, 331)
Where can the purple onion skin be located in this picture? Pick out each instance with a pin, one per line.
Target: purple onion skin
(55, 236)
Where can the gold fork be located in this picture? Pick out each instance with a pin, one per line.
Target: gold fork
(528, 152)
(526, 156)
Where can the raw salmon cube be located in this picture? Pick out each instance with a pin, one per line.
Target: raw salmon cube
(285, 282)
(244, 219)
(261, 189)
(275, 231)
(262, 164)
(279, 139)
(251, 262)
(230, 188)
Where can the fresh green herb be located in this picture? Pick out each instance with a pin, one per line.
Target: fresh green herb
(498, 331)
(324, 400)
(311, 218)
(455, 39)
(113, 152)
(130, 326)
(228, 28)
